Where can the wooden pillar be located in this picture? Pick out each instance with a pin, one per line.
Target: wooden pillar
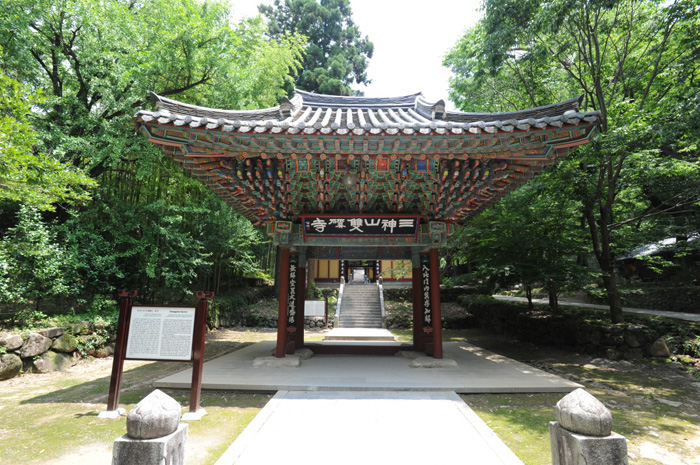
(418, 342)
(200, 329)
(301, 301)
(283, 301)
(435, 301)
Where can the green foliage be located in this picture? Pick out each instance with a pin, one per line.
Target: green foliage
(26, 175)
(80, 69)
(633, 62)
(33, 264)
(336, 56)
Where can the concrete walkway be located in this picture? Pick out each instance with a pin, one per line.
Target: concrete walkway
(640, 311)
(317, 428)
(476, 371)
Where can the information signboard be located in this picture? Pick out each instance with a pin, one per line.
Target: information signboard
(160, 333)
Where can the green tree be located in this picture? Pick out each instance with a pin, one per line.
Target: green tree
(632, 61)
(337, 55)
(98, 61)
(148, 224)
(530, 237)
(33, 264)
(27, 175)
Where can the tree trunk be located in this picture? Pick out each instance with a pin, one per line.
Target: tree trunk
(553, 298)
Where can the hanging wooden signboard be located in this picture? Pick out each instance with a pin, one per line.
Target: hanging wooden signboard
(361, 226)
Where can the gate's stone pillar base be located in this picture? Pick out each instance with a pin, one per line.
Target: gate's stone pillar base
(583, 435)
(577, 449)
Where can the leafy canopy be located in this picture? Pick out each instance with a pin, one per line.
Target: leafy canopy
(337, 55)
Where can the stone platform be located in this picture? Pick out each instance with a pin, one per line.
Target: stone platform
(476, 371)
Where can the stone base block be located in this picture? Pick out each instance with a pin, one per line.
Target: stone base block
(575, 449)
(194, 416)
(168, 450)
(409, 354)
(304, 354)
(112, 414)
(430, 362)
(289, 361)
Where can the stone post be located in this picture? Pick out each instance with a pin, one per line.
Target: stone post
(154, 435)
(583, 435)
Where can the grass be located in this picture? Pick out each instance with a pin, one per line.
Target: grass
(52, 419)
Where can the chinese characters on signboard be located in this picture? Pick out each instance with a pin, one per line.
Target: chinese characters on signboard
(292, 300)
(426, 295)
(364, 226)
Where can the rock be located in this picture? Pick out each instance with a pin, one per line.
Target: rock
(409, 354)
(65, 343)
(430, 362)
(36, 344)
(581, 413)
(613, 354)
(100, 324)
(659, 349)
(53, 361)
(10, 366)
(52, 332)
(11, 341)
(106, 351)
(304, 354)
(634, 336)
(288, 361)
(672, 403)
(78, 329)
(157, 415)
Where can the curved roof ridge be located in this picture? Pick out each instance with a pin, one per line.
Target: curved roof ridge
(342, 101)
(554, 109)
(178, 107)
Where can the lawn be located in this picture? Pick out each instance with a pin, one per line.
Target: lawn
(52, 418)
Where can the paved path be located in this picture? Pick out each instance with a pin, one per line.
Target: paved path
(641, 311)
(477, 371)
(318, 428)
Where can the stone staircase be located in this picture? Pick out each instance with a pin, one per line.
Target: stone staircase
(360, 307)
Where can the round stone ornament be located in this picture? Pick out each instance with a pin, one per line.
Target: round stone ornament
(581, 413)
(156, 416)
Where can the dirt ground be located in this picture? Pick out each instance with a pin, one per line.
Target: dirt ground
(52, 418)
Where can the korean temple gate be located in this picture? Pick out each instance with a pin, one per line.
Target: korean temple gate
(354, 178)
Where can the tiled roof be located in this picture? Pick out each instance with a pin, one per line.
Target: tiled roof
(411, 114)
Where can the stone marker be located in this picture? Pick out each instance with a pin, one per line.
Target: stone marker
(580, 412)
(154, 435)
(583, 435)
(157, 415)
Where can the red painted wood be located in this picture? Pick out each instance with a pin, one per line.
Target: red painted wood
(435, 301)
(418, 341)
(301, 300)
(200, 329)
(283, 300)
(115, 383)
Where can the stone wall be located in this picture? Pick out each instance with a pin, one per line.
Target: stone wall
(670, 299)
(53, 349)
(603, 340)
